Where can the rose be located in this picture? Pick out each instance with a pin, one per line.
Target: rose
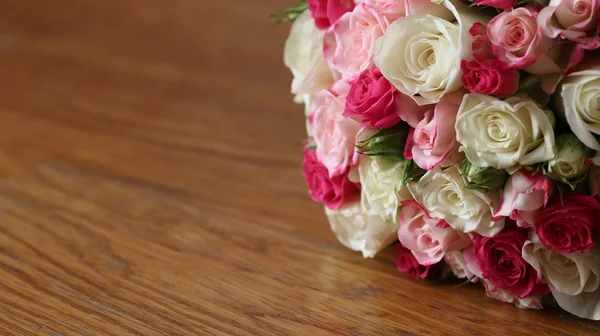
(445, 195)
(331, 191)
(399, 8)
(407, 263)
(500, 261)
(421, 54)
(434, 138)
(327, 12)
(529, 302)
(361, 230)
(568, 165)
(382, 189)
(574, 278)
(595, 177)
(516, 40)
(333, 134)
(571, 20)
(568, 224)
(463, 264)
(505, 5)
(525, 195)
(348, 45)
(303, 55)
(393, 8)
(490, 76)
(578, 101)
(371, 101)
(482, 47)
(428, 238)
(502, 134)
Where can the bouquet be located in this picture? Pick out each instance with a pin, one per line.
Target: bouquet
(465, 133)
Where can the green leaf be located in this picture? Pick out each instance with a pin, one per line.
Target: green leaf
(289, 14)
(387, 143)
(411, 172)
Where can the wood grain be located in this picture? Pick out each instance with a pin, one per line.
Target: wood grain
(150, 184)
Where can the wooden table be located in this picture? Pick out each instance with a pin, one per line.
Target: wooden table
(150, 184)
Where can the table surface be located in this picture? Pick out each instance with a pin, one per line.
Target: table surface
(150, 184)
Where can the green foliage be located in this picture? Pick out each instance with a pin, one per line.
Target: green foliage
(290, 14)
(387, 143)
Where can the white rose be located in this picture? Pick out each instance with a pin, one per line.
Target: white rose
(503, 134)
(420, 54)
(381, 187)
(568, 164)
(362, 230)
(578, 101)
(574, 278)
(303, 55)
(445, 194)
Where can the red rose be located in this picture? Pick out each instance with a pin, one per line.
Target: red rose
(327, 12)
(371, 101)
(567, 226)
(506, 5)
(490, 76)
(407, 263)
(481, 46)
(331, 191)
(500, 261)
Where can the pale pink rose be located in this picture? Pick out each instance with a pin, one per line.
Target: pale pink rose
(525, 196)
(433, 139)
(575, 20)
(458, 265)
(428, 238)
(394, 8)
(570, 19)
(517, 40)
(333, 134)
(348, 45)
(528, 302)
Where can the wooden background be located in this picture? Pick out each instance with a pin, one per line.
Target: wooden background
(150, 184)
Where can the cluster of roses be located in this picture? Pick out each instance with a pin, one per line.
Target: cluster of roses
(468, 132)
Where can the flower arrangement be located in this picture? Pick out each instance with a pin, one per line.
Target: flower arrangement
(464, 133)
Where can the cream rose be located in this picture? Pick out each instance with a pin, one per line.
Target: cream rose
(578, 101)
(445, 194)
(420, 54)
(381, 187)
(504, 134)
(303, 55)
(362, 230)
(574, 278)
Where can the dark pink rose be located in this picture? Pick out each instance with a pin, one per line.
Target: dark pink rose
(491, 76)
(331, 191)
(482, 47)
(568, 226)
(407, 263)
(502, 4)
(500, 261)
(371, 101)
(327, 12)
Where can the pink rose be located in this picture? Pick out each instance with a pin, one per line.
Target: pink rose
(571, 19)
(433, 139)
(331, 191)
(333, 134)
(481, 46)
(500, 261)
(490, 76)
(428, 238)
(461, 266)
(327, 12)
(525, 195)
(516, 40)
(529, 302)
(569, 224)
(406, 263)
(395, 8)
(348, 45)
(371, 101)
(502, 4)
